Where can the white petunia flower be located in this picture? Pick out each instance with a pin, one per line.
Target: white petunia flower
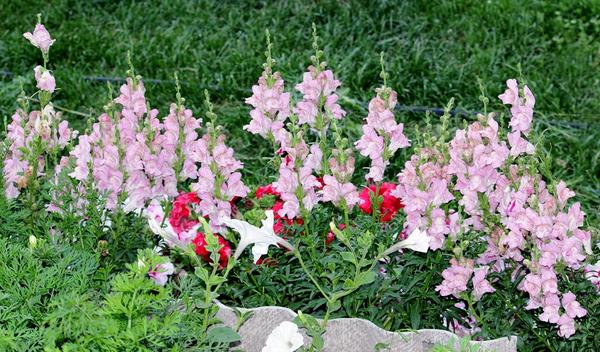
(284, 338)
(418, 241)
(260, 238)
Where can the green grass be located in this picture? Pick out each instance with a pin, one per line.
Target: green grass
(434, 51)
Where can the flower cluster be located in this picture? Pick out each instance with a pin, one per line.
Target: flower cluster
(382, 135)
(219, 180)
(474, 184)
(271, 105)
(131, 156)
(337, 187)
(383, 193)
(319, 101)
(34, 134)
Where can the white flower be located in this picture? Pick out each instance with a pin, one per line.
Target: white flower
(418, 241)
(261, 238)
(284, 338)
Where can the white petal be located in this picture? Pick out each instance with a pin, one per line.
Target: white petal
(259, 249)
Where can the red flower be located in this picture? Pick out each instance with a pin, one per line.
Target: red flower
(179, 218)
(200, 249)
(389, 205)
(265, 190)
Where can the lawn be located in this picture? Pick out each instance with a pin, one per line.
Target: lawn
(434, 51)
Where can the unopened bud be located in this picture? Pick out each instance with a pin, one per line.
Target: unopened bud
(32, 242)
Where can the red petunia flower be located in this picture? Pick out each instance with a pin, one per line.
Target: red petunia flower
(389, 205)
(179, 218)
(200, 249)
(266, 190)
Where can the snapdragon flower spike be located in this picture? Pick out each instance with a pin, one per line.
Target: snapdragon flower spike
(32, 135)
(270, 102)
(219, 180)
(319, 101)
(271, 105)
(297, 185)
(522, 104)
(382, 135)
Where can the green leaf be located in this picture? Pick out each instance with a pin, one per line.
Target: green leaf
(222, 334)
(334, 306)
(202, 273)
(216, 280)
(348, 284)
(349, 257)
(365, 278)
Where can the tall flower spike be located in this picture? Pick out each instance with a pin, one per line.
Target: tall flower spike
(382, 135)
(219, 180)
(271, 104)
(319, 101)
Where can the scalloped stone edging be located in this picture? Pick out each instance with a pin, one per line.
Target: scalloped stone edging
(349, 334)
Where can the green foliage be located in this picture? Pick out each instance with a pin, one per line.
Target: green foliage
(54, 298)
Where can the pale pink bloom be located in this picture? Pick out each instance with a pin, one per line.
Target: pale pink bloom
(161, 272)
(334, 191)
(40, 38)
(572, 252)
(45, 80)
(511, 95)
(456, 278)
(551, 313)
(549, 281)
(481, 286)
(566, 326)
(563, 193)
(132, 99)
(572, 308)
(519, 145)
(271, 105)
(592, 273)
(376, 170)
(370, 144)
(532, 284)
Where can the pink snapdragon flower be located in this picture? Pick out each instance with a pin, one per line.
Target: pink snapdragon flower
(40, 38)
(382, 136)
(219, 179)
(481, 286)
(297, 184)
(337, 187)
(592, 273)
(456, 278)
(271, 105)
(45, 80)
(319, 101)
